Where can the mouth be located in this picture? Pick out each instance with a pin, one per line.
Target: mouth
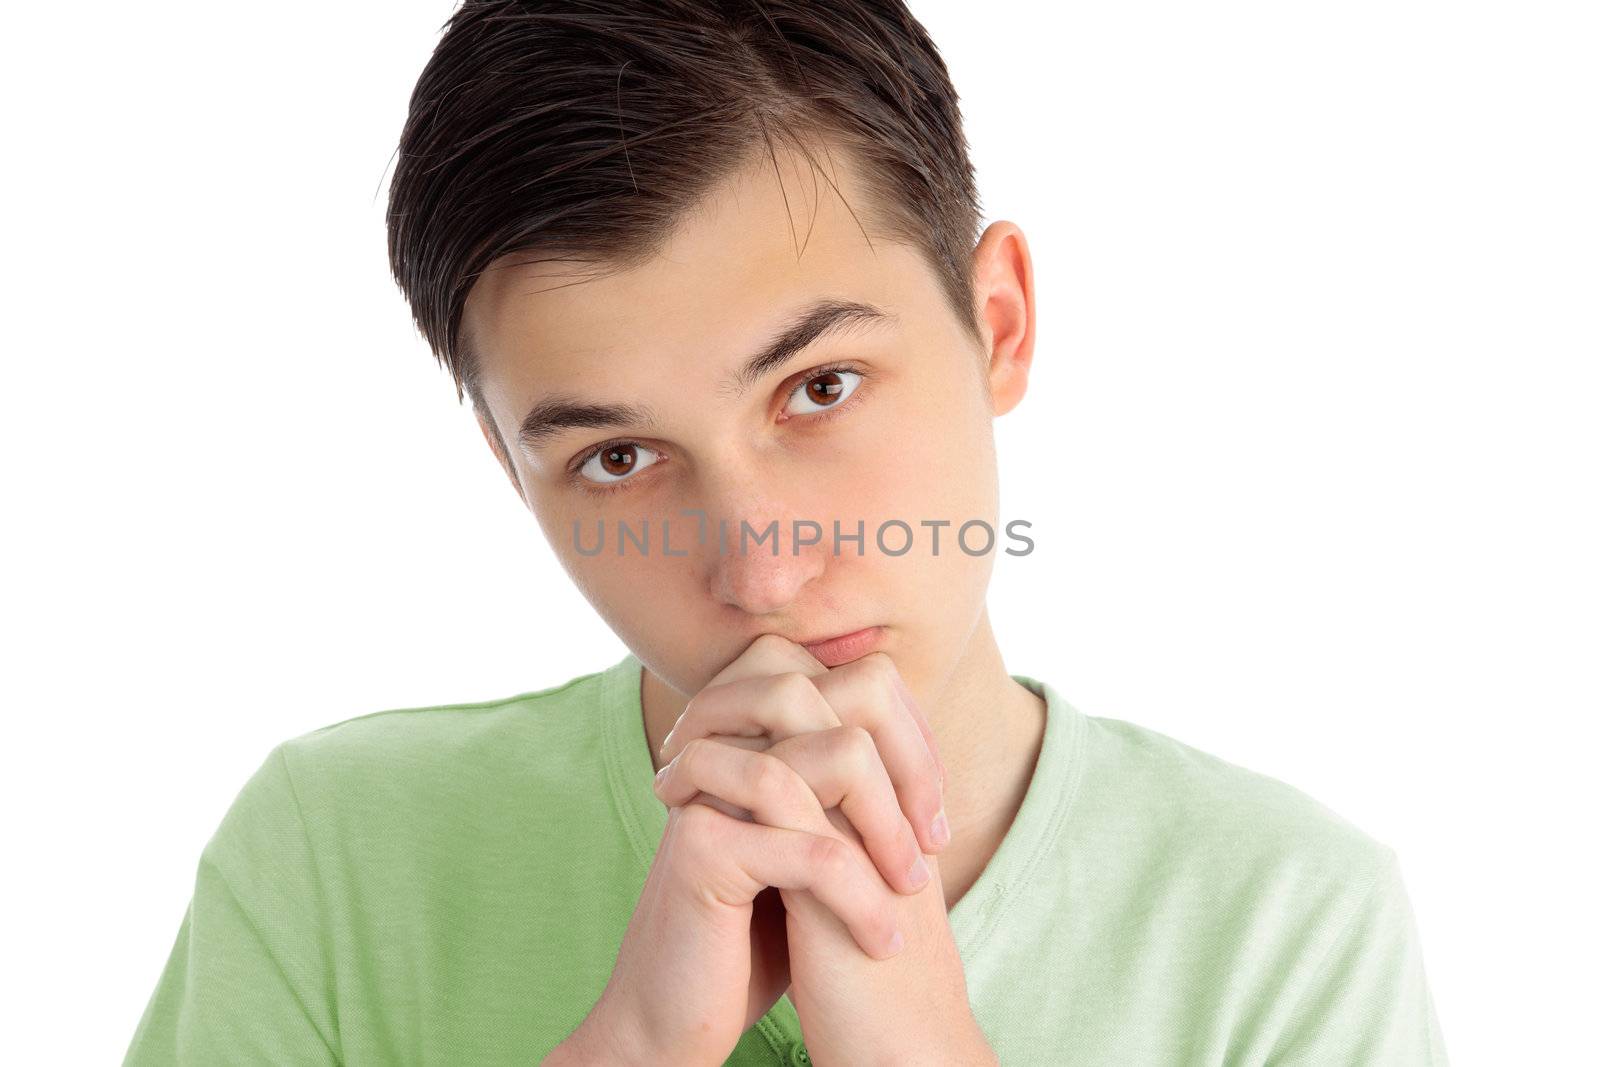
(833, 651)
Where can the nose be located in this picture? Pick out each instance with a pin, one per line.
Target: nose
(762, 550)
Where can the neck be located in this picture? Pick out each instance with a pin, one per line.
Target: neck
(989, 729)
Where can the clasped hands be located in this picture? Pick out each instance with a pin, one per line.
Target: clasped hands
(844, 753)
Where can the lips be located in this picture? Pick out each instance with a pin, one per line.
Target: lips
(833, 651)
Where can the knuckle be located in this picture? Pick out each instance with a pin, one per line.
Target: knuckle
(767, 775)
(879, 667)
(791, 686)
(881, 672)
(697, 827)
(855, 747)
(769, 642)
(858, 741)
(825, 855)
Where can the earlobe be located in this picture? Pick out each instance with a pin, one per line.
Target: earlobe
(1002, 273)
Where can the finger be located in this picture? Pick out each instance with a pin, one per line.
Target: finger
(863, 693)
(766, 786)
(920, 719)
(732, 810)
(734, 860)
(781, 706)
(757, 744)
(774, 706)
(769, 654)
(843, 769)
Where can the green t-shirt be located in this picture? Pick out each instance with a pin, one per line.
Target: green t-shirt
(449, 885)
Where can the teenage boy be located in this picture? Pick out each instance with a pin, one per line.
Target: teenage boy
(711, 275)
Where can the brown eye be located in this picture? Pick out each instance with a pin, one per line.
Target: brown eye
(825, 387)
(826, 390)
(613, 463)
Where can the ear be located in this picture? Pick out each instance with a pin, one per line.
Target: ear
(491, 437)
(1002, 283)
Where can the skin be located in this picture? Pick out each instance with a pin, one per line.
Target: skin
(847, 755)
(914, 441)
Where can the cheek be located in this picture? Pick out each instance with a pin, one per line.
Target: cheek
(942, 471)
(637, 596)
(937, 464)
(586, 545)
(628, 562)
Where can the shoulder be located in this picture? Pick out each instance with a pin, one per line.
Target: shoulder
(395, 739)
(416, 764)
(1208, 821)
(1247, 888)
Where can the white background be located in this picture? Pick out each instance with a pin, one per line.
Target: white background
(1310, 447)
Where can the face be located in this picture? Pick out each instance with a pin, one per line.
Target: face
(887, 415)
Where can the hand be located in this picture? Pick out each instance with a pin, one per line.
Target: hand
(776, 690)
(852, 1007)
(705, 954)
(751, 703)
(684, 990)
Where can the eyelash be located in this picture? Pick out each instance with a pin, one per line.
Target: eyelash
(597, 489)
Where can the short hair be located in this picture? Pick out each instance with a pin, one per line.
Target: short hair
(584, 130)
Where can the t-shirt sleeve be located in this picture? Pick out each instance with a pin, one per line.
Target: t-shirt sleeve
(249, 979)
(1368, 1001)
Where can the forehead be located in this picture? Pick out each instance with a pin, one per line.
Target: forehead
(764, 241)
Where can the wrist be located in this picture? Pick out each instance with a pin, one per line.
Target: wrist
(979, 1051)
(967, 1047)
(600, 1039)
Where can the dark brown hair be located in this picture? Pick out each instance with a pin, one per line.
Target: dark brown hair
(583, 130)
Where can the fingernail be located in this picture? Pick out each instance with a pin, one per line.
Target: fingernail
(918, 875)
(662, 773)
(897, 942)
(665, 741)
(940, 830)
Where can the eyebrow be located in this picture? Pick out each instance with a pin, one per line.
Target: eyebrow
(555, 414)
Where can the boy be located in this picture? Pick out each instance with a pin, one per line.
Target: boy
(710, 273)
